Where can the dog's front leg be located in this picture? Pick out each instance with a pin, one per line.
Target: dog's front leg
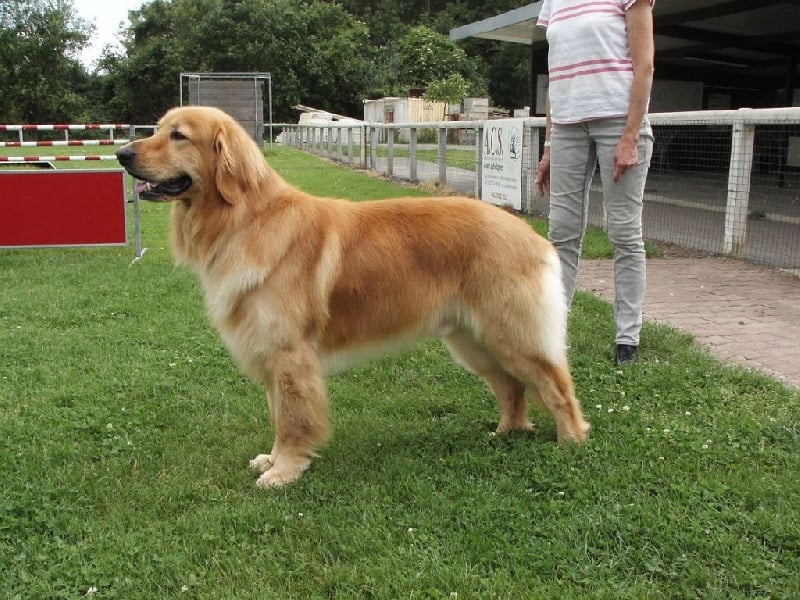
(298, 404)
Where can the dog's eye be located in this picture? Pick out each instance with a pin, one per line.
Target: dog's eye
(176, 135)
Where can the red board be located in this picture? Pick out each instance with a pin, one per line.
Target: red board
(62, 208)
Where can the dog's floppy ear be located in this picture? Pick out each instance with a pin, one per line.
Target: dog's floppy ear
(240, 166)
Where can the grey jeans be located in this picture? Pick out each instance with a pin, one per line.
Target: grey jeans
(575, 151)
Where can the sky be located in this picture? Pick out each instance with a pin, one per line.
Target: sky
(106, 16)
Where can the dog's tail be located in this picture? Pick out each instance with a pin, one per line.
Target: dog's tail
(553, 310)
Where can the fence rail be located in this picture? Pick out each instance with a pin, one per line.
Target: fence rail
(63, 143)
(722, 182)
(56, 158)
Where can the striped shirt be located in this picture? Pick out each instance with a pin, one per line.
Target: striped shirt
(589, 59)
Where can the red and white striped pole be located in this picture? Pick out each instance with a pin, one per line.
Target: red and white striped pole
(63, 127)
(57, 143)
(59, 158)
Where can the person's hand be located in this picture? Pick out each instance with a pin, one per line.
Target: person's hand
(625, 156)
(543, 174)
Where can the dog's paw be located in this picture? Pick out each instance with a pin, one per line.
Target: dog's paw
(282, 472)
(526, 426)
(262, 463)
(275, 478)
(574, 435)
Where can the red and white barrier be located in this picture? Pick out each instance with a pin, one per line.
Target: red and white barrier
(63, 208)
(58, 158)
(64, 127)
(69, 207)
(56, 143)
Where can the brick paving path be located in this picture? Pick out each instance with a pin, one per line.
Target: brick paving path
(742, 313)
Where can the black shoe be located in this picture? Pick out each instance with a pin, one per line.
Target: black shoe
(625, 354)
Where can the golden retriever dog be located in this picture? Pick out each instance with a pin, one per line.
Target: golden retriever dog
(298, 285)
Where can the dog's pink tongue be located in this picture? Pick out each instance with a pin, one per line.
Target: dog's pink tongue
(140, 187)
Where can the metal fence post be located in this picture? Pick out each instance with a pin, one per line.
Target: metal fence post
(362, 147)
(478, 161)
(390, 151)
(373, 148)
(350, 145)
(525, 182)
(442, 156)
(738, 187)
(535, 133)
(412, 154)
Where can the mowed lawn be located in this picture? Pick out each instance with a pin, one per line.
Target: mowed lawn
(126, 431)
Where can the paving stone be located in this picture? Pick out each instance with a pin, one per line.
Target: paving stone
(743, 314)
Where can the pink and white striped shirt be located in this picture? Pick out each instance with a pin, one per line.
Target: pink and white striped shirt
(589, 58)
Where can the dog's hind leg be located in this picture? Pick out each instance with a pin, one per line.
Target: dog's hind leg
(553, 387)
(509, 391)
(551, 383)
(298, 403)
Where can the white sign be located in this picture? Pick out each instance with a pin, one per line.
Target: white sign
(501, 173)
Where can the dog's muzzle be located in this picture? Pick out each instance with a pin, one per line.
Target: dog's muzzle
(148, 189)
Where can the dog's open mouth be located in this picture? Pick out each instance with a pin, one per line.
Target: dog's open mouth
(153, 190)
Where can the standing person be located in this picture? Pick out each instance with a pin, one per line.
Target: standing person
(600, 62)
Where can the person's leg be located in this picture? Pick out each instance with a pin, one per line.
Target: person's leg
(623, 205)
(572, 164)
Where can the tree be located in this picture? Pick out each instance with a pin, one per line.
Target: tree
(317, 53)
(451, 90)
(424, 57)
(42, 78)
(163, 39)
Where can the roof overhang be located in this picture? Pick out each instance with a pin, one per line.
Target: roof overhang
(741, 38)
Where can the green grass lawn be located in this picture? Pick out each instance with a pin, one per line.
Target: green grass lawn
(125, 434)
(455, 157)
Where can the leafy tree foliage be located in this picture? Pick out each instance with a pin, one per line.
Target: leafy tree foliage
(425, 56)
(331, 54)
(317, 53)
(42, 79)
(165, 38)
(451, 90)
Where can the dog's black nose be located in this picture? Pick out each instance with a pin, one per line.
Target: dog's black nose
(125, 155)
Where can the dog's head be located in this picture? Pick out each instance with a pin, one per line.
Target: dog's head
(196, 152)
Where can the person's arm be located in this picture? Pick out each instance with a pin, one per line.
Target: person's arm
(639, 19)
